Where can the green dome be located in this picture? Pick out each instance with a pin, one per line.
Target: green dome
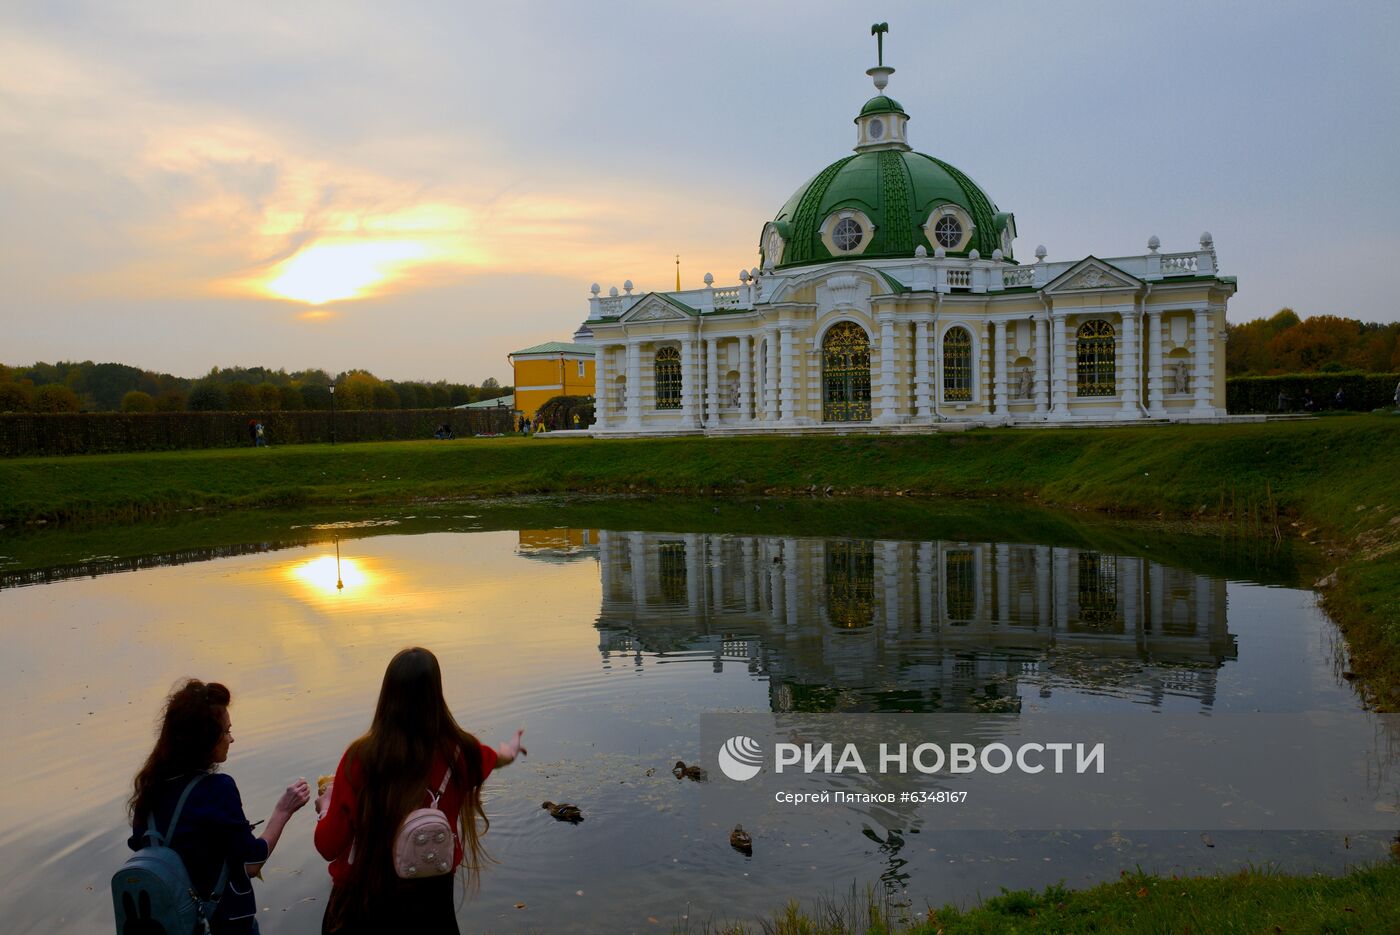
(881, 105)
(897, 190)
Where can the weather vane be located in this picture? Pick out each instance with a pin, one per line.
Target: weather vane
(878, 30)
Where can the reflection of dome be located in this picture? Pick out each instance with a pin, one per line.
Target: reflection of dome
(898, 192)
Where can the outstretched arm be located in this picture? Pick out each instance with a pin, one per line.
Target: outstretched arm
(295, 796)
(508, 751)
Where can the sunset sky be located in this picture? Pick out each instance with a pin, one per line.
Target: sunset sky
(419, 188)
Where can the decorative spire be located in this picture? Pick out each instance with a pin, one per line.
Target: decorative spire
(678, 272)
(878, 30)
(880, 73)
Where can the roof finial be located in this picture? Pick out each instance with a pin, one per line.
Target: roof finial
(881, 72)
(878, 30)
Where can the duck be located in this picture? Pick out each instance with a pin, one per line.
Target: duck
(693, 773)
(741, 841)
(569, 813)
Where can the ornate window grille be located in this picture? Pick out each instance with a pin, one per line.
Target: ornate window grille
(1098, 591)
(957, 365)
(850, 584)
(668, 378)
(960, 592)
(1094, 352)
(846, 374)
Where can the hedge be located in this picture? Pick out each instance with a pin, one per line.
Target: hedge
(28, 434)
(1361, 392)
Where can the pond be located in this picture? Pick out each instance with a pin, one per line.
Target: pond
(606, 630)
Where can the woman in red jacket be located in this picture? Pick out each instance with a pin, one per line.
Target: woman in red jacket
(393, 769)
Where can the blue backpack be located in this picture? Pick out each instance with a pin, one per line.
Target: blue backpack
(152, 893)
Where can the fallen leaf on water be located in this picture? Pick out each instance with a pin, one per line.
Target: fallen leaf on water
(653, 920)
(520, 905)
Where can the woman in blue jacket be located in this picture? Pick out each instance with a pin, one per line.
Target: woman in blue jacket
(214, 834)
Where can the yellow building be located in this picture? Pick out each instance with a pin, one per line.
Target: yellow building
(555, 368)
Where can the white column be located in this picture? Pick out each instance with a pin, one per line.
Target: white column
(745, 378)
(687, 382)
(1058, 376)
(923, 409)
(695, 573)
(602, 387)
(999, 367)
(1201, 382)
(787, 385)
(984, 366)
(1154, 364)
(712, 382)
(634, 384)
(887, 403)
(770, 376)
(1132, 367)
(1042, 367)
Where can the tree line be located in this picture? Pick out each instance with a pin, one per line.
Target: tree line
(109, 387)
(1284, 343)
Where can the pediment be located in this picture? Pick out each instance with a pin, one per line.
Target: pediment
(655, 307)
(1092, 274)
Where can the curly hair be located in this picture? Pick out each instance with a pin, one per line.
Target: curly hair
(191, 726)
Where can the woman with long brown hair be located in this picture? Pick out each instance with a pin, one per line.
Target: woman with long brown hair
(213, 837)
(413, 752)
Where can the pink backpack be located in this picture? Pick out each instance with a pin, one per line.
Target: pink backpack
(424, 844)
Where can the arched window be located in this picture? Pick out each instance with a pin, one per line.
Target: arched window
(957, 365)
(668, 378)
(1094, 350)
(846, 374)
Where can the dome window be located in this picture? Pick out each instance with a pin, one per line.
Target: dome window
(950, 228)
(847, 234)
(876, 128)
(947, 231)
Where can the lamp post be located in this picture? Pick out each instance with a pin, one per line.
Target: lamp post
(332, 413)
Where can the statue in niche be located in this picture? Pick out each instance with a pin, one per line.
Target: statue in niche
(1023, 383)
(1181, 377)
(733, 394)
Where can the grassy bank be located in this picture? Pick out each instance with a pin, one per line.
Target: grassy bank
(1364, 900)
(1336, 481)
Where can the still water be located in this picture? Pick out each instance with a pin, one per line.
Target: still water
(606, 645)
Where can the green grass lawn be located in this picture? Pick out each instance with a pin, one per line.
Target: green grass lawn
(1365, 900)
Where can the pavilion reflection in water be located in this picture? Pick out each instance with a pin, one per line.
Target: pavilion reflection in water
(860, 625)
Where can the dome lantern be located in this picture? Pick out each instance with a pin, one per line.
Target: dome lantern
(882, 122)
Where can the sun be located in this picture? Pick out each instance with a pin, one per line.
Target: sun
(327, 272)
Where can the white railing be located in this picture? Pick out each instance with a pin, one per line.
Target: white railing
(960, 278)
(1020, 276)
(727, 298)
(1178, 264)
(611, 306)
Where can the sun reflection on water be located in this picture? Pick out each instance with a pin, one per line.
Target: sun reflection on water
(328, 576)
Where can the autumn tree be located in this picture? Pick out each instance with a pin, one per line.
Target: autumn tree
(55, 397)
(137, 401)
